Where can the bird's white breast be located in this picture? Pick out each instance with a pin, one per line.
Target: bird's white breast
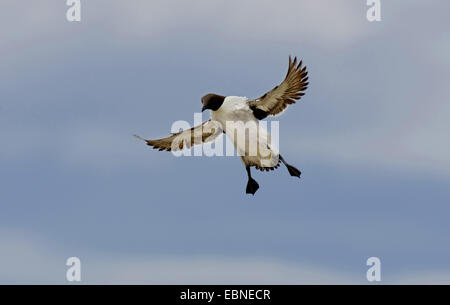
(235, 109)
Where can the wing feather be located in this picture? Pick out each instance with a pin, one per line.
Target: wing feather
(276, 100)
(206, 132)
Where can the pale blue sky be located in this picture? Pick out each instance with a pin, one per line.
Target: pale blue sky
(370, 136)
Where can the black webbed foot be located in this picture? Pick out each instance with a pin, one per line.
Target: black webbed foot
(252, 186)
(293, 171)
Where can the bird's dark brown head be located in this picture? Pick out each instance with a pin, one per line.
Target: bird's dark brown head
(212, 101)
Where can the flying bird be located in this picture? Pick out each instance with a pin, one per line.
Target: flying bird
(228, 111)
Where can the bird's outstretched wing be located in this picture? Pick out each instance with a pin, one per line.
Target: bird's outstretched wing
(277, 99)
(206, 132)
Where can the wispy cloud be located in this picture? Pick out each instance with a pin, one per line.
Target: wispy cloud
(27, 259)
(324, 24)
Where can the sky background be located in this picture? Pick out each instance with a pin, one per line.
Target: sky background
(371, 137)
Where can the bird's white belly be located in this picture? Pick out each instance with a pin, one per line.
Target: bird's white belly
(251, 140)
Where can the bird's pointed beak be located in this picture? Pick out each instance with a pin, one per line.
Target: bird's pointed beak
(204, 108)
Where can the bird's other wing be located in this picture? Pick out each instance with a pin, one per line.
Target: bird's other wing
(206, 132)
(276, 100)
